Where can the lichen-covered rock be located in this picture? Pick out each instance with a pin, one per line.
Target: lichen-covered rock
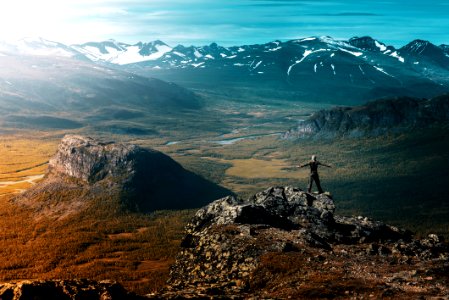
(226, 241)
(277, 206)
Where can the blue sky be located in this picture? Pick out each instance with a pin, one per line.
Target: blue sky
(230, 22)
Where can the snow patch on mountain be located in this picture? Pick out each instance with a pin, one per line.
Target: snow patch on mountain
(179, 54)
(122, 54)
(274, 49)
(381, 46)
(305, 54)
(198, 64)
(257, 65)
(197, 54)
(396, 55)
(383, 71)
(351, 52)
(306, 39)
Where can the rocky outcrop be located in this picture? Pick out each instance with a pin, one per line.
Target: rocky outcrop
(85, 170)
(227, 243)
(91, 160)
(64, 289)
(374, 119)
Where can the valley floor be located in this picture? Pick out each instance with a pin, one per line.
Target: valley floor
(400, 180)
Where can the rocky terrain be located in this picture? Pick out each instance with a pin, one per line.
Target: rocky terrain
(375, 118)
(281, 243)
(288, 244)
(61, 290)
(86, 171)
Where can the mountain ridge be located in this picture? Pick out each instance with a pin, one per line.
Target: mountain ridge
(352, 71)
(147, 48)
(375, 118)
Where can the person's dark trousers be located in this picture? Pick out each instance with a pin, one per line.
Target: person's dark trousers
(316, 178)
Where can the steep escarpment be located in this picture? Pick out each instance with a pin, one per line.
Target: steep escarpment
(375, 118)
(286, 243)
(86, 170)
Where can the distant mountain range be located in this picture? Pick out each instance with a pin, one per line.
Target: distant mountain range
(315, 69)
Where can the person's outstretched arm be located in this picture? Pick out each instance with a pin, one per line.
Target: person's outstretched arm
(302, 166)
(320, 163)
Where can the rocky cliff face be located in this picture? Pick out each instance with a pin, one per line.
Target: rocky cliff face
(91, 160)
(282, 241)
(85, 170)
(374, 119)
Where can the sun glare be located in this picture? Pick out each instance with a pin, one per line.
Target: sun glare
(52, 19)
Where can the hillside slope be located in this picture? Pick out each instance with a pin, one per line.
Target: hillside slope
(93, 216)
(64, 93)
(375, 118)
(123, 175)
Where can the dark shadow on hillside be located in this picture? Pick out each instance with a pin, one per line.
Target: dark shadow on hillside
(161, 183)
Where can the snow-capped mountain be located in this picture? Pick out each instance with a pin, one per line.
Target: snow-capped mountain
(38, 47)
(313, 68)
(107, 51)
(121, 53)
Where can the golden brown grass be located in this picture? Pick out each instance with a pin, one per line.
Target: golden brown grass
(22, 160)
(104, 243)
(258, 168)
(100, 242)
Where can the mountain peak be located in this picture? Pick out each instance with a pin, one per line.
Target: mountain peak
(213, 45)
(367, 43)
(418, 46)
(428, 50)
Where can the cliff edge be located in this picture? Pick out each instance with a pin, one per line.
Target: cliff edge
(285, 243)
(85, 171)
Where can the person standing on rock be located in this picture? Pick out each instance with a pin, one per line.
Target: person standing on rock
(313, 164)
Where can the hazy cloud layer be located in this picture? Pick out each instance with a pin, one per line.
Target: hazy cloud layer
(227, 22)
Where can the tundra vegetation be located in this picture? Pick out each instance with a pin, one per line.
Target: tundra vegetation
(399, 179)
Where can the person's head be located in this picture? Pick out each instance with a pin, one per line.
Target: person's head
(313, 157)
